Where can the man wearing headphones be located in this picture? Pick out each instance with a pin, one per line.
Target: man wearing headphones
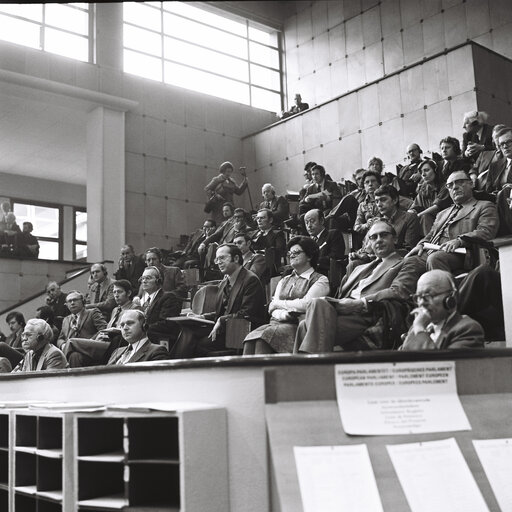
(81, 323)
(437, 323)
(134, 330)
(40, 353)
(101, 294)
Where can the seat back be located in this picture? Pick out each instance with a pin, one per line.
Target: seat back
(204, 299)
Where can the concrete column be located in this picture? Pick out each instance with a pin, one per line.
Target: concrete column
(505, 248)
(105, 184)
(68, 223)
(109, 34)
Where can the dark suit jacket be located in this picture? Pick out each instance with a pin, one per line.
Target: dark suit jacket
(164, 305)
(477, 219)
(133, 273)
(279, 207)
(460, 331)
(497, 167)
(148, 352)
(51, 359)
(58, 306)
(446, 168)
(485, 139)
(14, 339)
(91, 321)
(106, 303)
(395, 280)
(246, 300)
(194, 241)
(323, 203)
(256, 264)
(331, 245)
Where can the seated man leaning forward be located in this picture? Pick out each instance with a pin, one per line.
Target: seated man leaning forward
(437, 323)
(342, 320)
(240, 295)
(134, 330)
(468, 216)
(40, 354)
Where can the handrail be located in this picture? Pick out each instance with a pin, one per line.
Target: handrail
(81, 270)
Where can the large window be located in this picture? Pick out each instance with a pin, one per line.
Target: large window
(56, 28)
(181, 44)
(46, 220)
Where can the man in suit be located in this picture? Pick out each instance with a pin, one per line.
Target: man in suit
(278, 205)
(340, 321)
(190, 256)
(268, 238)
(100, 294)
(467, 216)
(253, 261)
(452, 160)
(16, 322)
(322, 194)
(157, 304)
(503, 202)
(81, 322)
(437, 323)
(57, 301)
(133, 329)
(409, 174)
(240, 295)
(330, 242)
(131, 266)
(172, 276)
(40, 354)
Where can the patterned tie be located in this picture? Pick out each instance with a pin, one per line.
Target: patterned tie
(113, 323)
(126, 355)
(225, 295)
(146, 303)
(437, 237)
(97, 294)
(74, 326)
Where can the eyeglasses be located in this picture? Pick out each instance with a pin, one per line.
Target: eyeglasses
(458, 183)
(382, 234)
(505, 143)
(221, 258)
(426, 297)
(146, 278)
(292, 254)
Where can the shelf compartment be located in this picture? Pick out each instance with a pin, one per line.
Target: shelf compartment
(49, 475)
(26, 490)
(99, 480)
(25, 473)
(49, 433)
(48, 506)
(4, 499)
(153, 438)
(26, 430)
(114, 502)
(99, 435)
(24, 503)
(104, 457)
(4, 467)
(4, 431)
(154, 485)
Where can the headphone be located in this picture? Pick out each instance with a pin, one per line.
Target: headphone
(142, 319)
(450, 301)
(159, 279)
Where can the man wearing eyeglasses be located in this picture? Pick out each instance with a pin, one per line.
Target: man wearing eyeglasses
(240, 295)
(467, 217)
(342, 320)
(437, 323)
(504, 198)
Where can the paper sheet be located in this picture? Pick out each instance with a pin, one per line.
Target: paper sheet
(399, 398)
(435, 477)
(496, 458)
(334, 478)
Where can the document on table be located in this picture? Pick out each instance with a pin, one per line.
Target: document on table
(399, 398)
(496, 458)
(334, 478)
(435, 476)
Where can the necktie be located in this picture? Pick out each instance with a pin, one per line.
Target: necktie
(97, 294)
(508, 172)
(269, 205)
(315, 238)
(74, 324)
(145, 305)
(225, 295)
(437, 237)
(126, 355)
(116, 317)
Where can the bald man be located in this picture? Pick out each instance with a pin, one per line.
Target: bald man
(410, 173)
(437, 323)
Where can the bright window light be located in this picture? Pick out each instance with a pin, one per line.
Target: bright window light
(191, 47)
(52, 27)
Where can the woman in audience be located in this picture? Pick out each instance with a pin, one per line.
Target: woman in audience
(221, 189)
(291, 298)
(432, 195)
